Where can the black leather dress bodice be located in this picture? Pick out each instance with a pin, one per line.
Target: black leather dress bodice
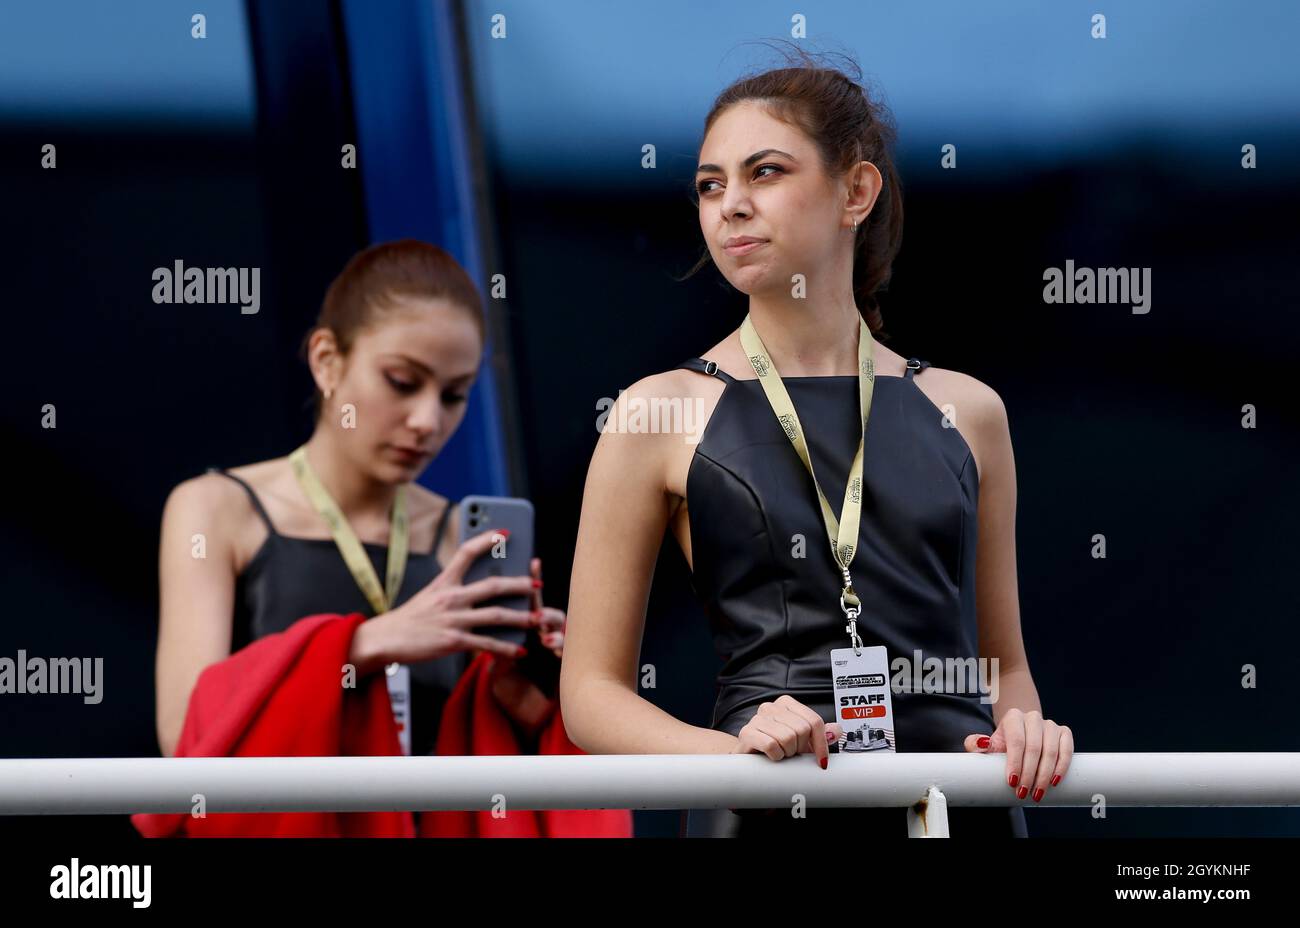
(775, 616)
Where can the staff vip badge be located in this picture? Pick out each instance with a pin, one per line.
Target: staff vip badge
(862, 699)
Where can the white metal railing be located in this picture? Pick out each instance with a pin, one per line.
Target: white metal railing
(80, 786)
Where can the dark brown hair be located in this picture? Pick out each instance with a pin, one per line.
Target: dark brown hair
(833, 110)
(359, 297)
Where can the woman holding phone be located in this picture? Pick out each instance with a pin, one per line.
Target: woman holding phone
(801, 407)
(394, 353)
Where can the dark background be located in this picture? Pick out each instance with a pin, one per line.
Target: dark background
(1123, 424)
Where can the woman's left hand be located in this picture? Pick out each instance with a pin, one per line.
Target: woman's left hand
(552, 629)
(1038, 750)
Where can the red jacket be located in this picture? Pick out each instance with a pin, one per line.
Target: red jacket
(282, 696)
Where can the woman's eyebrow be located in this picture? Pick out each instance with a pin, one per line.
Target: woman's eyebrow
(410, 360)
(748, 161)
(467, 377)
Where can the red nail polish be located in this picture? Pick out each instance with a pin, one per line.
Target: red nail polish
(823, 763)
(537, 584)
(1015, 778)
(1022, 792)
(503, 531)
(1038, 794)
(1056, 779)
(982, 743)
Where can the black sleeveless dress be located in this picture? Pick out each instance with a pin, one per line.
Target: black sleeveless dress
(775, 616)
(289, 578)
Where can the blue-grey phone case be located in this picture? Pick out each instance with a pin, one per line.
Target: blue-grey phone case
(477, 515)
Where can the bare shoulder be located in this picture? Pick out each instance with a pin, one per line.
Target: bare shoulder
(677, 382)
(649, 431)
(657, 407)
(202, 495)
(975, 399)
(219, 507)
(209, 505)
(975, 410)
(218, 494)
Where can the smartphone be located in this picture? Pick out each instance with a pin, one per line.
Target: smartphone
(477, 515)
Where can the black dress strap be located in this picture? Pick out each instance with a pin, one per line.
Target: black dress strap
(257, 503)
(707, 367)
(442, 526)
(914, 365)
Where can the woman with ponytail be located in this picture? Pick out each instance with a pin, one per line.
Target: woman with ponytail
(803, 404)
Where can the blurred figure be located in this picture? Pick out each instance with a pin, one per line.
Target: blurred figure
(396, 349)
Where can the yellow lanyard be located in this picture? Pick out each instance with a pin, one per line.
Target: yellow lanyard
(363, 571)
(843, 535)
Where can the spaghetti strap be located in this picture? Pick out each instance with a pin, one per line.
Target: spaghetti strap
(442, 526)
(707, 367)
(257, 503)
(914, 365)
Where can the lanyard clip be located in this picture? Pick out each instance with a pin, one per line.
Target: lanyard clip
(852, 629)
(850, 603)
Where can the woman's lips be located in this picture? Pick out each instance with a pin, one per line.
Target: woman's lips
(410, 457)
(737, 250)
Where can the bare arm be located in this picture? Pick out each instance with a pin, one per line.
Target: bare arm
(1038, 749)
(996, 585)
(196, 597)
(625, 509)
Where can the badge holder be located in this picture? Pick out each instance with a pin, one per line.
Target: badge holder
(398, 677)
(860, 676)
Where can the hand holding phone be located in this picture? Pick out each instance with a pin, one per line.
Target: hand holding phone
(509, 556)
(448, 614)
(514, 558)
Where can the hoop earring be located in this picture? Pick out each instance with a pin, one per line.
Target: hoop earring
(855, 228)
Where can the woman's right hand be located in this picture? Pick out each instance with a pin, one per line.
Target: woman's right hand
(787, 727)
(437, 620)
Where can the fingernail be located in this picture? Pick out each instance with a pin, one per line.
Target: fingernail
(982, 743)
(521, 652)
(1056, 779)
(830, 736)
(537, 584)
(1014, 779)
(823, 763)
(1038, 794)
(503, 531)
(1022, 792)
